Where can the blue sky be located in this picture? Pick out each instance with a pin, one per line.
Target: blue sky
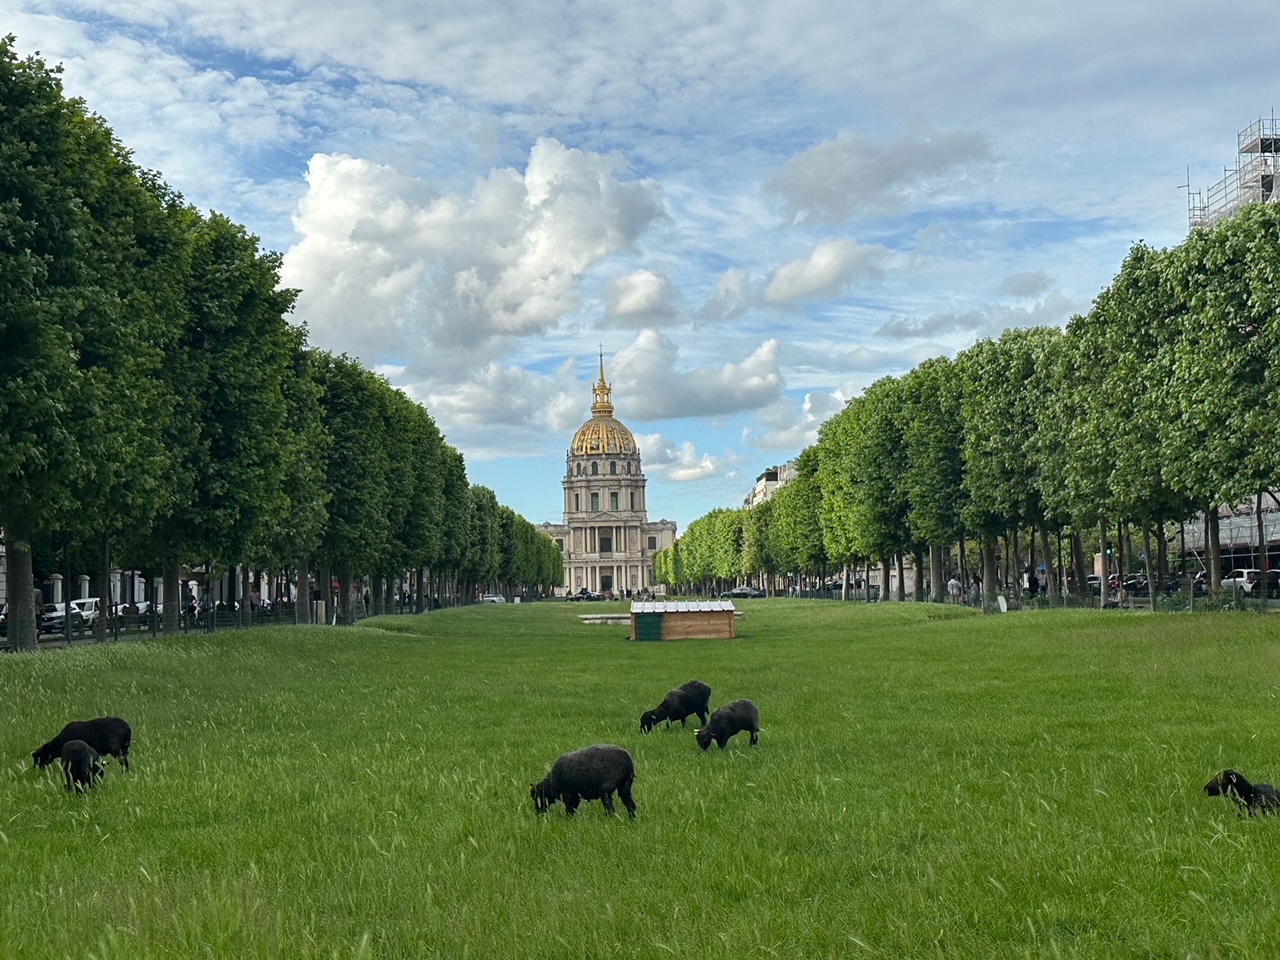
(757, 209)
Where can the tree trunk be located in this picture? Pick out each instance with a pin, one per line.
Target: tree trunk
(1213, 549)
(104, 590)
(990, 572)
(1162, 556)
(246, 603)
(902, 586)
(325, 588)
(172, 609)
(937, 573)
(1262, 544)
(23, 608)
(1152, 586)
(1081, 585)
(302, 600)
(1106, 567)
(346, 613)
(1050, 585)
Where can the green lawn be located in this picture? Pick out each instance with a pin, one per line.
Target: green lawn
(928, 782)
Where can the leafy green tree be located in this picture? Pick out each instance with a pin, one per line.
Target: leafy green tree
(933, 478)
(795, 535)
(354, 405)
(84, 239)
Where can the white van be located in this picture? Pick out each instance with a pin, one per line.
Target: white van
(88, 608)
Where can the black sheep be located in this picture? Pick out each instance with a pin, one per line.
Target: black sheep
(680, 703)
(80, 766)
(110, 736)
(592, 773)
(728, 720)
(1251, 798)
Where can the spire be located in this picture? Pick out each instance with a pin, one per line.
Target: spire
(602, 405)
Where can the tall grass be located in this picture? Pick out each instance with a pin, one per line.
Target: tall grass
(928, 782)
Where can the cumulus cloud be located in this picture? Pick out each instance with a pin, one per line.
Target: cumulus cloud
(511, 396)
(677, 462)
(649, 382)
(852, 175)
(1030, 284)
(639, 299)
(732, 296)
(786, 426)
(832, 266)
(389, 268)
(989, 320)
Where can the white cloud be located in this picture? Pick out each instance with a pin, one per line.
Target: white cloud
(1029, 284)
(389, 269)
(852, 175)
(784, 426)
(649, 384)
(677, 462)
(639, 299)
(732, 296)
(986, 321)
(832, 266)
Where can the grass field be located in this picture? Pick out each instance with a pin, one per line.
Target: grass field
(928, 782)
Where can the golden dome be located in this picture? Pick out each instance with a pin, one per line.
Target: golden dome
(602, 434)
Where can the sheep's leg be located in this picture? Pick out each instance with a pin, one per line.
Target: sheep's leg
(702, 717)
(624, 791)
(607, 800)
(571, 801)
(755, 737)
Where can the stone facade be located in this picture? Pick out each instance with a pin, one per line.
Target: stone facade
(606, 537)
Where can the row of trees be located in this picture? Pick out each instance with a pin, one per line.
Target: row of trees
(1157, 406)
(156, 402)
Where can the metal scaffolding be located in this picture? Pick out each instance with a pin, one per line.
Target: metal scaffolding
(1252, 181)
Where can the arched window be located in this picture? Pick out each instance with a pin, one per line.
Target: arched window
(613, 468)
(595, 468)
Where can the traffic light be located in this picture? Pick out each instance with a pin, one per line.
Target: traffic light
(1108, 548)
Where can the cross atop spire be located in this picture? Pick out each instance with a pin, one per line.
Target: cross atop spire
(602, 404)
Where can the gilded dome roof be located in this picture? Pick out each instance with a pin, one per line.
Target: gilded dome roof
(602, 434)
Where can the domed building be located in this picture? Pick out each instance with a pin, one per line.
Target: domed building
(607, 539)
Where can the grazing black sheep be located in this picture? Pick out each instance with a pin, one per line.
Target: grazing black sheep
(110, 736)
(728, 720)
(592, 773)
(680, 703)
(80, 766)
(1251, 798)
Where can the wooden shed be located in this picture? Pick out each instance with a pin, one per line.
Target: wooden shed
(682, 619)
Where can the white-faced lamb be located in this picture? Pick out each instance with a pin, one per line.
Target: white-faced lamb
(728, 720)
(80, 766)
(680, 703)
(592, 773)
(109, 736)
(1251, 798)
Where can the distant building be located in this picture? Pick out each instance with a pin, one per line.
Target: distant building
(607, 539)
(769, 482)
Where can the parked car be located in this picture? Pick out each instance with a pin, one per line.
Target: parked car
(493, 598)
(1272, 589)
(1241, 579)
(53, 618)
(1095, 584)
(584, 594)
(88, 609)
(743, 592)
